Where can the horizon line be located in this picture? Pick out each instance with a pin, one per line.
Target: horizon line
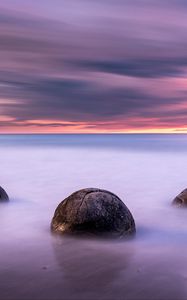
(94, 133)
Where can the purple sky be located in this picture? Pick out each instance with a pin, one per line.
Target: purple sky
(93, 66)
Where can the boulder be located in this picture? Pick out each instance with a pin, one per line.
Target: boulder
(181, 199)
(3, 195)
(93, 211)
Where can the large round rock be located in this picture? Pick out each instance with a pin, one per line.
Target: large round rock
(93, 211)
(3, 195)
(181, 199)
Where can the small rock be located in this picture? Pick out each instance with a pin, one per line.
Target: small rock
(3, 195)
(93, 211)
(181, 199)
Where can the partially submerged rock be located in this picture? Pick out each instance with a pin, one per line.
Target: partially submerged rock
(93, 211)
(3, 195)
(181, 199)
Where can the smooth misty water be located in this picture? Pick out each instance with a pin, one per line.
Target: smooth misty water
(145, 171)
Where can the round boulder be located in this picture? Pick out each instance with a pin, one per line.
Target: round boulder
(181, 199)
(3, 195)
(93, 211)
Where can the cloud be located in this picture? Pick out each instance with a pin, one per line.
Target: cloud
(146, 68)
(81, 100)
(15, 123)
(59, 65)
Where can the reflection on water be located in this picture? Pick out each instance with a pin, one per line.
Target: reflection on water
(114, 270)
(90, 267)
(34, 264)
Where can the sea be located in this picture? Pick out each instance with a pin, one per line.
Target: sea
(146, 171)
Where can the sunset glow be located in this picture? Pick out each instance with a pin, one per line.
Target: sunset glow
(104, 67)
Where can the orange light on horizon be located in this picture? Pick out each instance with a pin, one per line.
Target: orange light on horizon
(37, 126)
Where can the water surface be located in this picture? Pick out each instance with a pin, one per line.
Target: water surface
(145, 171)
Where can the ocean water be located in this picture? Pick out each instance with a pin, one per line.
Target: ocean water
(145, 171)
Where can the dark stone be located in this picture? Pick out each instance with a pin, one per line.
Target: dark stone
(181, 199)
(3, 195)
(93, 211)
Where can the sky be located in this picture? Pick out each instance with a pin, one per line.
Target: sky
(93, 66)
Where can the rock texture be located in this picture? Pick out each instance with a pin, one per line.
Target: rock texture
(181, 199)
(3, 195)
(93, 211)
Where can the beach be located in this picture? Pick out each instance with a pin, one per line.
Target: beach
(146, 171)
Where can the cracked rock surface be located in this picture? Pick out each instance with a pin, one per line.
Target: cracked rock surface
(181, 199)
(3, 195)
(93, 211)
